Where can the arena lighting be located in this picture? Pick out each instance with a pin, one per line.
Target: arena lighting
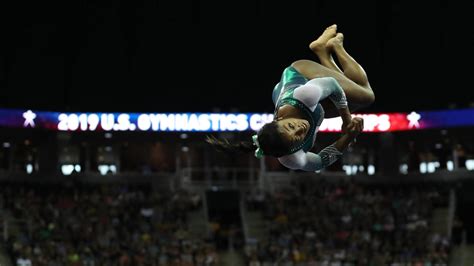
(214, 122)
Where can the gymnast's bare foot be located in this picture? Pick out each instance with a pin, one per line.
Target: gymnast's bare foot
(319, 45)
(336, 42)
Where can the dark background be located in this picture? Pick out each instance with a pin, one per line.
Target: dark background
(200, 56)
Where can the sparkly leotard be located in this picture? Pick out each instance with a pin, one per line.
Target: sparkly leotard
(295, 90)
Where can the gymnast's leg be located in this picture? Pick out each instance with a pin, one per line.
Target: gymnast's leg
(352, 78)
(320, 50)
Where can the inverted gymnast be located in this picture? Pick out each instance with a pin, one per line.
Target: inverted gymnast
(303, 99)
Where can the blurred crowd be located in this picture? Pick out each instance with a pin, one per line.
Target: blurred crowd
(346, 224)
(102, 225)
(310, 222)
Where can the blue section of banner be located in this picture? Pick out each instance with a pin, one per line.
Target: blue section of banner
(448, 118)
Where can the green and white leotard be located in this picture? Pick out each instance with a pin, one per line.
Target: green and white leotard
(294, 89)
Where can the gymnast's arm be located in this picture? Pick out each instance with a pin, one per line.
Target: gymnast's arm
(331, 89)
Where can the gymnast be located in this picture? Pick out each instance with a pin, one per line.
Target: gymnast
(307, 93)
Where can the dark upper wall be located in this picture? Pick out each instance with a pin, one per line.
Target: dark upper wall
(145, 55)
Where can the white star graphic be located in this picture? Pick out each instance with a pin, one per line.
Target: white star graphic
(413, 117)
(29, 118)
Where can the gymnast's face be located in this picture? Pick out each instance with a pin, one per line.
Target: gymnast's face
(293, 129)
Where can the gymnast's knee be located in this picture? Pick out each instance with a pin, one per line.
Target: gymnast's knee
(369, 99)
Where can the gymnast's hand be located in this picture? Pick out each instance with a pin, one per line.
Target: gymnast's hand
(346, 119)
(355, 127)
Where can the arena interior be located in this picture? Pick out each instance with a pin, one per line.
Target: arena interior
(105, 106)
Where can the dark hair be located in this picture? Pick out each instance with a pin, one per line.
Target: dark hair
(269, 138)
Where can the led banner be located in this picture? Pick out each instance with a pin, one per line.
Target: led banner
(206, 122)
